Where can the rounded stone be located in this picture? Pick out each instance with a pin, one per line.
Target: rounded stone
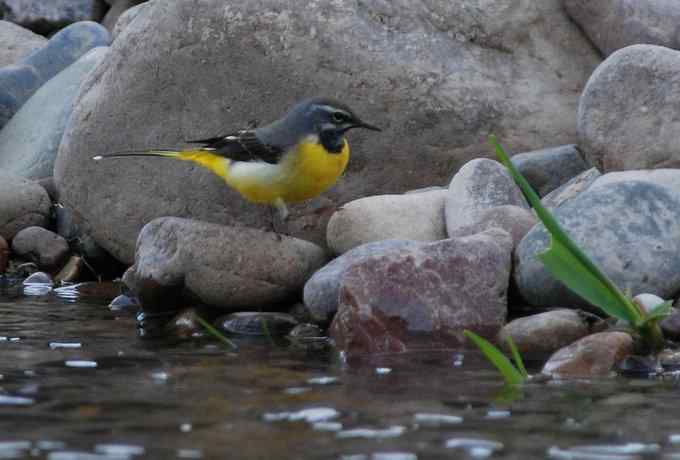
(257, 323)
(23, 204)
(41, 246)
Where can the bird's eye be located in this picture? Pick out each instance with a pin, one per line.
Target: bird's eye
(339, 117)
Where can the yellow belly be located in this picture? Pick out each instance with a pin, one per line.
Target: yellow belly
(302, 174)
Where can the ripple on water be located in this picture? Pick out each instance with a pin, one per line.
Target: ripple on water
(311, 415)
(372, 433)
(476, 448)
(7, 400)
(629, 451)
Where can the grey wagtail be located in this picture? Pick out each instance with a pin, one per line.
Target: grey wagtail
(290, 160)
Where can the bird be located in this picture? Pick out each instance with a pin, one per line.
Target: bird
(290, 160)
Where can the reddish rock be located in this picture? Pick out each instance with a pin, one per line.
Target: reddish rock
(4, 255)
(592, 356)
(423, 297)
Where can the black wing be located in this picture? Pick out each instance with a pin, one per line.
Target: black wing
(241, 146)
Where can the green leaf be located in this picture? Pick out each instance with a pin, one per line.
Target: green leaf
(215, 333)
(659, 312)
(517, 357)
(511, 375)
(568, 263)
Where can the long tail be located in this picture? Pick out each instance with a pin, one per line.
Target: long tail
(206, 158)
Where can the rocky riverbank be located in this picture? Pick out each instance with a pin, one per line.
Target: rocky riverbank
(423, 236)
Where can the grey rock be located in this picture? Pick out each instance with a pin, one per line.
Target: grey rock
(41, 246)
(424, 298)
(479, 185)
(547, 169)
(670, 325)
(321, 291)
(225, 267)
(412, 216)
(627, 110)
(627, 223)
(128, 16)
(30, 140)
(116, 11)
(17, 42)
(23, 204)
(45, 17)
(615, 24)
(17, 83)
(255, 323)
(515, 220)
(571, 189)
(545, 332)
(39, 278)
(595, 355)
(440, 74)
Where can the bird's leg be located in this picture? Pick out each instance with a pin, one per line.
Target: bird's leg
(281, 207)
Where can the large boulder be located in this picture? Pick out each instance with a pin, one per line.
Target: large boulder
(627, 222)
(615, 24)
(30, 140)
(424, 297)
(225, 267)
(23, 204)
(17, 42)
(628, 110)
(435, 76)
(45, 17)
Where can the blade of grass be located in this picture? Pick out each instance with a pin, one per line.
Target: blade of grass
(567, 263)
(511, 375)
(215, 333)
(517, 357)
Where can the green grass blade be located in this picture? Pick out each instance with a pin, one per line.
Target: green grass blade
(215, 333)
(567, 263)
(519, 364)
(511, 375)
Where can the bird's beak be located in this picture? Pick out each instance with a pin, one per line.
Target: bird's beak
(361, 124)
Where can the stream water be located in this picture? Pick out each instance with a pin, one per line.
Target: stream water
(76, 383)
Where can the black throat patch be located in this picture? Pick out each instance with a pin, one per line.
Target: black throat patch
(332, 140)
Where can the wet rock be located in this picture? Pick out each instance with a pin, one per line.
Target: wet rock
(17, 42)
(30, 140)
(670, 325)
(4, 255)
(545, 332)
(184, 325)
(527, 92)
(479, 185)
(125, 302)
(413, 216)
(515, 220)
(571, 189)
(39, 278)
(549, 168)
(45, 17)
(630, 125)
(127, 16)
(424, 297)
(309, 337)
(639, 366)
(593, 356)
(306, 331)
(226, 267)
(115, 12)
(615, 24)
(625, 223)
(19, 82)
(321, 291)
(47, 249)
(257, 323)
(22, 204)
(71, 271)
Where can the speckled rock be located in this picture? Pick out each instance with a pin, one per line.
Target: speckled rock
(22, 204)
(41, 246)
(627, 223)
(321, 291)
(45, 17)
(479, 185)
(127, 16)
(549, 168)
(436, 76)
(631, 124)
(412, 216)
(17, 83)
(30, 140)
(615, 24)
(424, 297)
(571, 189)
(17, 42)
(545, 332)
(117, 9)
(226, 267)
(515, 220)
(593, 356)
